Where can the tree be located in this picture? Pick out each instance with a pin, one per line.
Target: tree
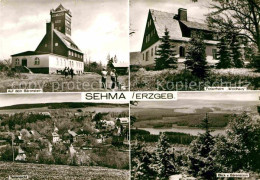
(141, 163)
(223, 57)
(110, 62)
(237, 58)
(165, 165)
(241, 16)
(196, 57)
(166, 54)
(200, 154)
(239, 149)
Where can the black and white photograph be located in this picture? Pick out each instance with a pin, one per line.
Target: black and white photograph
(58, 137)
(196, 137)
(192, 44)
(64, 45)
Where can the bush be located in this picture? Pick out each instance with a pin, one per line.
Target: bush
(6, 153)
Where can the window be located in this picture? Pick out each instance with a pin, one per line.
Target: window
(59, 28)
(46, 45)
(72, 53)
(143, 56)
(69, 53)
(182, 51)
(56, 44)
(155, 49)
(152, 52)
(37, 61)
(147, 54)
(58, 21)
(17, 61)
(214, 53)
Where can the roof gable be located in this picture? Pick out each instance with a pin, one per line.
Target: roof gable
(67, 41)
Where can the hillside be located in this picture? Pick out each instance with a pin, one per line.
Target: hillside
(60, 172)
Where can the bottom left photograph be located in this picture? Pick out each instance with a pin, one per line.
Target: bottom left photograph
(60, 137)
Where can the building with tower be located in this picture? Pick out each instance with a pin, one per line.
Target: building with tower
(56, 50)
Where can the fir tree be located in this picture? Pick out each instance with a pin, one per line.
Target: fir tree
(196, 57)
(223, 54)
(236, 51)
(200, 155)
(239, 148)
(110, 62)
(165, 54)
(141, 162)
(165, 165)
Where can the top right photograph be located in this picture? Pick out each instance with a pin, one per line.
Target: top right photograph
(194, 45)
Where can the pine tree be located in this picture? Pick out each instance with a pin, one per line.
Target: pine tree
(236, 50)
(165, 165)
(110, 62)
(223, 54)
(141, 162)
(166, 54)
(196, 57)
(200, 154)
(239, 148)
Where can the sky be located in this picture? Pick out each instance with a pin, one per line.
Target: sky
(139, 12)
(99, 27)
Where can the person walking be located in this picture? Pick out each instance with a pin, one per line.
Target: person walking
(72, 73)
(104, 78)
(113, 78)
(66, 72)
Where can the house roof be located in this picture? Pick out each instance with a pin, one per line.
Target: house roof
(118, 65)
(29, 53)
(165, 19)
(72, 133)
(67, 41)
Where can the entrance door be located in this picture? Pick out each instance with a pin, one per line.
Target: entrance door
(24, 62)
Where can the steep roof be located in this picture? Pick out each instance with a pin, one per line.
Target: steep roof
(165, 19)
(67, 41)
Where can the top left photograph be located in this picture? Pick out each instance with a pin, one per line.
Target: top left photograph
(64, 46)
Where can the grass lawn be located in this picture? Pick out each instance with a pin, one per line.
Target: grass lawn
(58, 83)
(61, 172)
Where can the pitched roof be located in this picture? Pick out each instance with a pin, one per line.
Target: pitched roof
(165, 19)
(120, 65)
(67, 41)
(60, 8)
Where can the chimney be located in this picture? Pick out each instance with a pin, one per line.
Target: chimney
(182, 13)
(49, 33)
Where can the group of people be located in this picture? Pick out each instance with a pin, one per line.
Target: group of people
(68, 71)
(114, 78)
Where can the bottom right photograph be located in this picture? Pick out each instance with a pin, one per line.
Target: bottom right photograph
(202, 135)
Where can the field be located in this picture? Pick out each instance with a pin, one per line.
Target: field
(57, 83)
(60, 172)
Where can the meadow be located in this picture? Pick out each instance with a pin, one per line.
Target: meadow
(61, 172)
